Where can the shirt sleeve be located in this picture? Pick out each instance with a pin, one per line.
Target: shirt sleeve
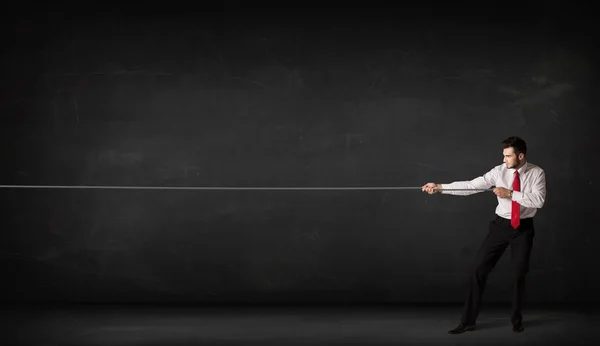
(482, 182)
(537, 197)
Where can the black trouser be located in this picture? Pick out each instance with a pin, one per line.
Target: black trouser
(500, 235)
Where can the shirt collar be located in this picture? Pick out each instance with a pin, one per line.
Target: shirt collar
(521, 170)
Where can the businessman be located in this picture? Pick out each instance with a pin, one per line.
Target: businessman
(520, 187)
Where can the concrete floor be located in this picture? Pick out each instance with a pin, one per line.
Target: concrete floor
(382, 325)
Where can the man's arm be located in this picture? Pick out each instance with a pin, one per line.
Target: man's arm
(537, 197)
(482, 182)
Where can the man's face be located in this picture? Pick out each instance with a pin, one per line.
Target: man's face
(511, 159)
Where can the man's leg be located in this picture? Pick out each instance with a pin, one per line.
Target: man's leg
(488, 255)
(520, 248)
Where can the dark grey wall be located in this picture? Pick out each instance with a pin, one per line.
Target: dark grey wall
(305, 98)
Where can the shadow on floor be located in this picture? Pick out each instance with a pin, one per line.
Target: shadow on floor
(533, 322)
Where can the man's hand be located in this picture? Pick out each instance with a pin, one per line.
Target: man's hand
(430, 188)
(502, 192)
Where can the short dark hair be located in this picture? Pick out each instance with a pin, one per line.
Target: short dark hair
(516, 143)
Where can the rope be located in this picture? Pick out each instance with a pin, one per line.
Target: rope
(220, 188)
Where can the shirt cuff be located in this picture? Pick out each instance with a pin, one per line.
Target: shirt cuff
(444, 187)
(517, 196)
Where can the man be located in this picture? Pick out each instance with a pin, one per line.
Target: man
(520, 187)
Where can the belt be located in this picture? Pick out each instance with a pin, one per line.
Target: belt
(527, 220)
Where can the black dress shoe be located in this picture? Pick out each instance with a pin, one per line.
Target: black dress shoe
(518, 327)
(462, 328)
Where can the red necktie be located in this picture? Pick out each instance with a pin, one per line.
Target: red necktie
(515, 217)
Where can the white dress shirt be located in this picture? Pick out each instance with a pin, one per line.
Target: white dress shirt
(531, 197)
